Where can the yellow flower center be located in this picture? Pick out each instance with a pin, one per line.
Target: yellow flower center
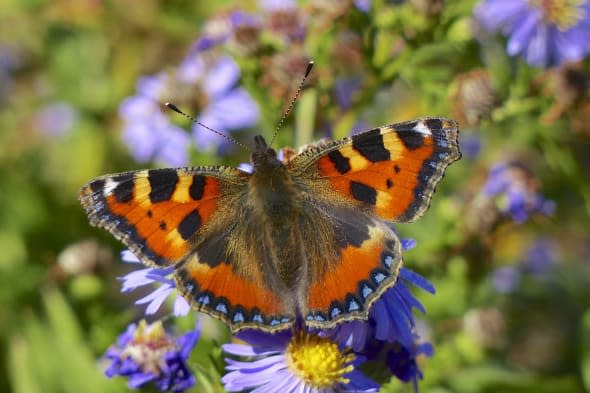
(562, 13)
(318, 361)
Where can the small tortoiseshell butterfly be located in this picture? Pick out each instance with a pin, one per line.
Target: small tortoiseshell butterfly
(307, 238)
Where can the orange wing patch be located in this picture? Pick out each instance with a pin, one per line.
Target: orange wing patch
(393, 169)
(356, 280)
(242, 302)
(156, 213)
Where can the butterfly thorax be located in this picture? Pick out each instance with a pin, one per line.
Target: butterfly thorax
(274, 199)
(272, 189)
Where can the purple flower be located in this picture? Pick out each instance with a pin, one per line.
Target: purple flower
(283, 19)
(392, 316)
(363, 5)
(344, 91)
(505, 279)
(227, 107)
(56, 119)
(470, 145)
(514, 190)
(147, 354)
(238, 29)
(540, 257)
(546, 33)
(203, 84)
(290, 363)
(149, 134)
(149, 276)
(401, 361)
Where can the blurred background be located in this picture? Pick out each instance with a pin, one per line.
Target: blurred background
(505, 242)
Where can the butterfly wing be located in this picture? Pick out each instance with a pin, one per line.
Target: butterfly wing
(391, 170)
(385, 174)
(186, 218)
(366, 263)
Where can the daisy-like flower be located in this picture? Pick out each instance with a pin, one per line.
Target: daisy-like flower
(149, 276)
(545, 32)
(146, 354)
(514, 190)
(288, 363)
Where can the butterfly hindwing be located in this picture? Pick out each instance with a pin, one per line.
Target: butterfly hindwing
(390, 170)
(367, 263)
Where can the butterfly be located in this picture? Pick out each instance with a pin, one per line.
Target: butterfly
(308, 238)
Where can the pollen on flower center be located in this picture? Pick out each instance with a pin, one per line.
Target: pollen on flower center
(149, 344)
(318, 361)
(562, 13)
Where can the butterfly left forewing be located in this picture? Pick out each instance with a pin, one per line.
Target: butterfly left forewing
(157, 213)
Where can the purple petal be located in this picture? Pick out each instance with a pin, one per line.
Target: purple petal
(181, 307)
(155, 299)
(136, 278)
(417, 280)
(523, 34)
(221, 78)
(153, 85)
(173, 151)
(257, 365)
(246, 350)
(191, 69)
(129, 257)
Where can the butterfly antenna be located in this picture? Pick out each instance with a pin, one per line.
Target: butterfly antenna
(221, 134)
(307, 72)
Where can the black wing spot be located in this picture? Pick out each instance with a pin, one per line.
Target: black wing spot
(150, 213)
(189, 224)
(124, 189)
(363, 193)
(370, 145)
(434, 124)
(97, 185)
(197, 187)
(396, 168)
(163, 225)
(412, 140)
(389, 183)
(341, 163)
(163, 184)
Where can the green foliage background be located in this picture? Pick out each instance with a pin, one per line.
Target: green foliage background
(54, 326)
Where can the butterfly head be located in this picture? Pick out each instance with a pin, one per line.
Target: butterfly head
(263, 155)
